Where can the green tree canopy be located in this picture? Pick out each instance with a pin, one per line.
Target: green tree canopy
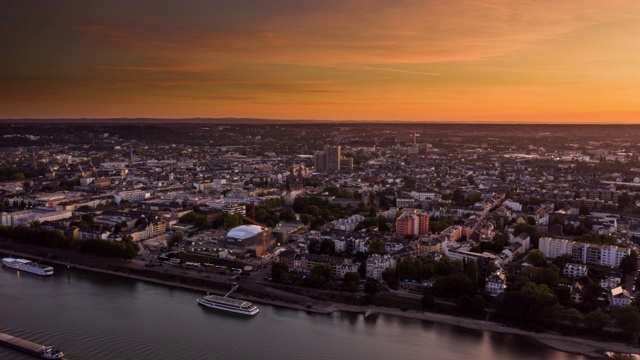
(596, 320)
(279, 272)
(527, 302)
(536, 257)
(18, 177)
(319, 275)
(627, 319)
(377, 246)
(454, 286)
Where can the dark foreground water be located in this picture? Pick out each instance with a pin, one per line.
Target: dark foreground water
(92, 316)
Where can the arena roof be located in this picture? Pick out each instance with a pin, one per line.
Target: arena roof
(244, 232)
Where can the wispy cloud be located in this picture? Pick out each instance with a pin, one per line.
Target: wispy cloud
(344, 59)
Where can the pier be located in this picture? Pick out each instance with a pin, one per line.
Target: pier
(43, 351)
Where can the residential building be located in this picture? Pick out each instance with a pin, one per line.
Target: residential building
(592, 254)
(577, 292)
(414, 223)
(610, 282)
(232, 208)
(24, 217)
(339, 266)
(619, 297)
(376, 264)
(348, 224)
(575, 271)
(496, 284)
(428, 245)
(456, 254)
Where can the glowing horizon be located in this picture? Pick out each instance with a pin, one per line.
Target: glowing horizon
(455, 61)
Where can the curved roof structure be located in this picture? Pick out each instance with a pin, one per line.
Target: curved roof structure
(244, 232)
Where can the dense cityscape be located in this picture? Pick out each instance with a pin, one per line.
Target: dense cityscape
(536, 226)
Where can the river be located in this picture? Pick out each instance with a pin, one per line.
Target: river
(93, 316)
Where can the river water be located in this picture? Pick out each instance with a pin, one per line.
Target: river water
(93, 316)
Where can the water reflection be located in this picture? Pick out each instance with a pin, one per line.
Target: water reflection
(95, 317)
(371, 319)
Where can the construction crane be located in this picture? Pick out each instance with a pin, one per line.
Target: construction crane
(253, 220)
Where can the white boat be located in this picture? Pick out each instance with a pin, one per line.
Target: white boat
(28, 266)
(228, 304)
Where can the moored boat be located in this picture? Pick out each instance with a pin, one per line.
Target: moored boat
(229, 304)
(27, 266)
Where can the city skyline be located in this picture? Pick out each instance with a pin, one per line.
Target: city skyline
(462, 61)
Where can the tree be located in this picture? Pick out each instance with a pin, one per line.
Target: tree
(287, 215)
(527, 301)
(562, 260)
(534, 233)
(453, 286)
(319, 275)
(627, 319)
(327, 247)
(306, 219)
(596, 320)
(351, 280)
(428, 301)
(561, 315)
(390, 277)
(229, 221)
(175, 239)
(35, 225)
(540, 275)
(457, 267)
(279, 272)
(471, 271)
(629, 263)
(409, 182)
(377, 246)
(457, 196)
(471, 180)
(18, 177)
(536, 257)
(409, 269)
(371, 286)
(188, 218)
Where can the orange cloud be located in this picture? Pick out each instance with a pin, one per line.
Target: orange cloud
(410, 60)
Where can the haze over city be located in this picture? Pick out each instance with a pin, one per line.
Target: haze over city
(453, 61)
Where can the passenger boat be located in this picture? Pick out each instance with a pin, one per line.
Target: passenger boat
(228, 304)
(28, 266)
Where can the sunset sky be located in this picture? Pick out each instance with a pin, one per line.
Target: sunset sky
(507, 61)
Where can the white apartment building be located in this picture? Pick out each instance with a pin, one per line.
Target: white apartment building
(603, 255)
(376, 264)
(132, 195)
(575, 271)
(348, 224)
(23, 218)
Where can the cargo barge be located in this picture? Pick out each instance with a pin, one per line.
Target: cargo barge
(43, 351)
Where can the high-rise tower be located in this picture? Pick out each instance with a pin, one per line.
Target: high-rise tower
(332, 157)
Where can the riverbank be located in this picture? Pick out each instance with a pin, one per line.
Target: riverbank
(581, 346)
(574, 345)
